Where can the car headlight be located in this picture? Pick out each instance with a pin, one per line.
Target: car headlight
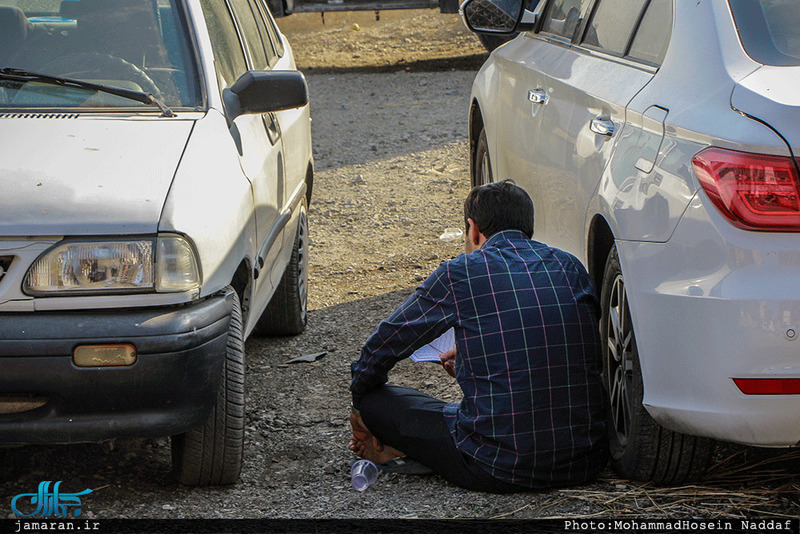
(165, 263)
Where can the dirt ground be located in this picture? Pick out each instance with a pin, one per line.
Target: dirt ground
(389, 107)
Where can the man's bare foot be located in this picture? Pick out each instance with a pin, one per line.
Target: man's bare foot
(377, 452)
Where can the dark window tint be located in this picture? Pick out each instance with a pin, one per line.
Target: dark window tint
(269, 47)
(564, 17)
(612, 25)
(652, 37)
(273, 28)
(252, 35)
(228, 55)
(768, 30)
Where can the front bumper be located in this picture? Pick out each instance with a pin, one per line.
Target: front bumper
(712, 304)
(171, 387)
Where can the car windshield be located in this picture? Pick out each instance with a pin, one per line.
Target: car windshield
(769, 30)
(134, 45)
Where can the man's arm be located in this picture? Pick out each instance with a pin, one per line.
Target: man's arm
(426, 315)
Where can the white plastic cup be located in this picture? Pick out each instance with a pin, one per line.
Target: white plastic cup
(363, 473)
(451, 234)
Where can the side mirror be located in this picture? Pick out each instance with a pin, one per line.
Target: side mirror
(259, 91)
(500, 16)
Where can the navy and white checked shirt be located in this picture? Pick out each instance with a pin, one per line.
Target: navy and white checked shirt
(528, 358)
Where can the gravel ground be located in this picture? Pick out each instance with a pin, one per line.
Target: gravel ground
(392, 171)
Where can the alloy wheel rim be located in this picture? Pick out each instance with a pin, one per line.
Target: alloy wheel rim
(621, 352)
(483, 169)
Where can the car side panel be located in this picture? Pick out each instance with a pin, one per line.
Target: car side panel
(583, 87)
(211, 201)
(549, 148)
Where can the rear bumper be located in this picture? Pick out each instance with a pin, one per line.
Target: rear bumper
(712, 304)
(170, 388)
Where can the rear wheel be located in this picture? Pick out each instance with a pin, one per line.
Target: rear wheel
(212, 454)
(286, 313)
(640, 448)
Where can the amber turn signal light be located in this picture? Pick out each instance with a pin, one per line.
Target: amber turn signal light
(104, 355)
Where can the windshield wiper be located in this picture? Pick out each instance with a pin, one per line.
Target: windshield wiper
(139, 96)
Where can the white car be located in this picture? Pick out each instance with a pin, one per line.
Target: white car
(659, 142)
(155, 171)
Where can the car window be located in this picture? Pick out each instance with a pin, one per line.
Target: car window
(228, 55)
(768, 30)
(273, 28)
(612, 25)
(140, 45)
(269, 47)
(652, 37)
(564, 17)
(251, 33)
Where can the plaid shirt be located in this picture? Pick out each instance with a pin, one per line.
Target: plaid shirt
(528, 358)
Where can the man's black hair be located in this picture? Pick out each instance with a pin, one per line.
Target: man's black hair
(499, 206)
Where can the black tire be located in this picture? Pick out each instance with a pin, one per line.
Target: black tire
(490, 41)
(212, 454)
(481, 165)
(640, 448)
(287, 311)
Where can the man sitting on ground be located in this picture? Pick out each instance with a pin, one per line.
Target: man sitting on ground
(527, 359)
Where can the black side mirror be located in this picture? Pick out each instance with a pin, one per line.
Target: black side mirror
(259, 91)
(500, 16)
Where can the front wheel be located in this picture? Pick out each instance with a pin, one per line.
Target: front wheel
(481, 166)
(640, 448)
(287, 311)
(212, 454)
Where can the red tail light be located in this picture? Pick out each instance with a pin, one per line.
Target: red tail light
(768, 386)
(754, 191)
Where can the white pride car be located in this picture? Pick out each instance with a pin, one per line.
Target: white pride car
(659, 141)
(155, 171)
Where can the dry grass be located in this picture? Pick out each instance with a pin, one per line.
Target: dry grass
(742, 483)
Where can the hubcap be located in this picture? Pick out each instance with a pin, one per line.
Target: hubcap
(302, 263)
(621, 351)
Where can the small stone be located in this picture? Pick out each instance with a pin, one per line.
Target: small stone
(167, 507)
(329, 469)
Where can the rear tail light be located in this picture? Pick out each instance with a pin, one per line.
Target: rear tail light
(768, 386)
(753, 191)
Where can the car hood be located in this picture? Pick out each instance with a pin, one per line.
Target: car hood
(80, 175)
(770, 94)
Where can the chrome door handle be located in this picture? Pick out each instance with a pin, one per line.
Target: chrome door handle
(602, 126)
(538, 96)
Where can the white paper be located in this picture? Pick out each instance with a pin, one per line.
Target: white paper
(440, 345)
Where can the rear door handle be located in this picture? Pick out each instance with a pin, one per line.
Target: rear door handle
(602, 126)
(538, 96)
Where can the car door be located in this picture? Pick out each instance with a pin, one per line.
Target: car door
(263, 155)
(582, 83)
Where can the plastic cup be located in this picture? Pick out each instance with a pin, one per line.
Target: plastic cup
(451, 234)
(362, 474)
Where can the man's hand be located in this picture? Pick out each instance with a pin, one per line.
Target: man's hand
(449, 361)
